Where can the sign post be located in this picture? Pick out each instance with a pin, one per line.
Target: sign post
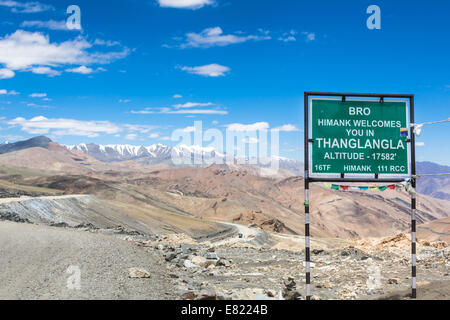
(356, 137)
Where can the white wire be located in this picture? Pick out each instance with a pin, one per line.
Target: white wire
(431, 174)
(431, 122)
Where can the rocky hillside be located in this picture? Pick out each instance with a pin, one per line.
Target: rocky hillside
(218, 194)
(78, 211)
(36, 142)
(437, 186)
(159, 153)
(163, 196)
(241, 270)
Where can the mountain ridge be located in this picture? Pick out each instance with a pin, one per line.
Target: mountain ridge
(220, 192)
(160, 154)
(39, 141)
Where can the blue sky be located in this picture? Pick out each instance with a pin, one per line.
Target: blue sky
(140, 69)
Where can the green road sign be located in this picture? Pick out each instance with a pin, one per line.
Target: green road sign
(359, 137)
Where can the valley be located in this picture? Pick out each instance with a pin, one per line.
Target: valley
(250, 225)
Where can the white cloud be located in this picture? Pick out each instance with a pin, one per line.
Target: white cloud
(287, 39)
(177, 96)
(81, 70)
(183, 111)
(154, 135)
(209, 70)
(46, 70)
(288, 36)
(250, 140)
(25, 7)
(10, 137)
(33, 51)
(10, 93)
(248, 127)
(34, 105)
(124, 100)
(198, 111)
(309, 36)
(420, 144)
(6, 74)
(139, 128)
(131, 136)
(62, 127)
(212, 37)
(38, 95)
(146, 111)
(59, 127)
(188, 129)
(107, 43)
(85, 70)
(192, 105)
(286, 128)
(51, 24)
(185, 4)
(291, 36)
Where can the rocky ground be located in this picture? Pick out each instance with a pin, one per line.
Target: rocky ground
(370, 269)
(253, 264)
(42, 262)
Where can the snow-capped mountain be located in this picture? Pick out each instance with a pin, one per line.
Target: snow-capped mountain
(110, 153)
(181, 155)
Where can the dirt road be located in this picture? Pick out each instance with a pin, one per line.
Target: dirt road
(252, 235)
(34, 261)
(24, 198)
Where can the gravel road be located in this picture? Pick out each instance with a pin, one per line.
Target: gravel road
(248, 234)
(34, 261)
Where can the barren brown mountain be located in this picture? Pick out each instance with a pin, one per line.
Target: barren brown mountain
(436, 230)
(217, 193)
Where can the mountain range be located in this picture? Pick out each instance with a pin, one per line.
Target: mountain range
(40, 141)
(141, 156)
(436, 186)
(159, 153)
(166, 197)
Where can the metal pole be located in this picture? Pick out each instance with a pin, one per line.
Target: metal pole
(413, 242)
(307, 244)
(413, 203)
